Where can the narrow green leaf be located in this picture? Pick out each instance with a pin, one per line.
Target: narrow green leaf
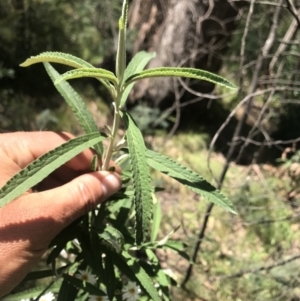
(77, 105)
(137, 64)
(54, 254)
(125, 12)
(44, 273)
(67, 291)
(110, 277)
(112, 238)
(161, 277)
(157, 215)
(175, 245)
(86, 286)
(188, 178)
(57, 57)
(32, 292)
(84, 238)
(97, 73)
(39, 169)
(67, 234)
(167, 237)
(143, 278)
(180, 72)
(97, 254)
(178, 247)
(141, 178)
(94, 163)
(121, 51)
(65, 59)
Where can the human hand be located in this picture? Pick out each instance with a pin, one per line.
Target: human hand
(29, 223)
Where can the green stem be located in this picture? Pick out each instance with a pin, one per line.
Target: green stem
(114, 133)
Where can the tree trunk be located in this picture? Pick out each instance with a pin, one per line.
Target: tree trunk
(190, 33)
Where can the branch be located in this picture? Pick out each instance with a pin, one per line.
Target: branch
(292, 10)
(288, 36)
(267, 143)
(263, 268)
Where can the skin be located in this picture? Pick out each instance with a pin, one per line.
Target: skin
(30, 222)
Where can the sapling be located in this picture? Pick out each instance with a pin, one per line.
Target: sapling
(104, 244)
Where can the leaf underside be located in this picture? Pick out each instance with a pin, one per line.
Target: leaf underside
(137, 64)
(141, 179)
(188, 178)
(62, 58)
(77, 105)
(57, 57)
(97, 73)
(181, 72)
(40, 168)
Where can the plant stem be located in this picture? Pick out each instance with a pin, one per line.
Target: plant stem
(114, 132)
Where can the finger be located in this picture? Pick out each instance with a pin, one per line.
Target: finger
(41, 216)
(55, 209)
(66, 174)
(24, 147)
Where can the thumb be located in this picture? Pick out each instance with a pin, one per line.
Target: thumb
(81, 195)
(29, 223)
(44, 214)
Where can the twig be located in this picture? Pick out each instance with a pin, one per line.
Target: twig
(198, 244)
(265, 50)
(268, 143)
(271, 221)
(292, 10)
(262, 268)
(176, 105)
(286, 39)
(210, 206)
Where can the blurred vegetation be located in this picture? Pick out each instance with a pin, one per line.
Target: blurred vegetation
(29, 27)
(235, 250)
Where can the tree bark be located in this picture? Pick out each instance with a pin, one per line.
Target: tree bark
(189, 33)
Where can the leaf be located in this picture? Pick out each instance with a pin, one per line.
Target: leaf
(57, 57)
(39, 169)
(44, 273)
(113, 238)
(137, 64)
(157, 215)
(188, 178)
(77, 105)
(167, 237)
(97, 254)
(124, 13)
(54, 254)
(121, 51)
(161, 277)
(178, 247)
(180, 72)
(32, 292)
(143, 278)
(87, 250)
(97, 73)
(86, 286)
(175, 245)
(67, 291)
(141, 178)
(110, 277)
(65, 59)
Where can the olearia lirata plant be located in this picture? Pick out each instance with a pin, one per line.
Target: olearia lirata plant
(106, 242)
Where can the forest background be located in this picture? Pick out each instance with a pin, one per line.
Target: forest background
(246, 142)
